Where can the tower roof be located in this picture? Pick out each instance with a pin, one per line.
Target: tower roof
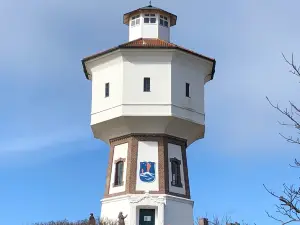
(150, 9)
(148, 43)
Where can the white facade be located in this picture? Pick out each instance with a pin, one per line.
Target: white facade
(174, 151)
(179, 211)
(129, 109)
(142, 25)
(147, 151)
(168, 209)
(120, 151)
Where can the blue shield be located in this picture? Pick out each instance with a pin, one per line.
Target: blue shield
(147, 171)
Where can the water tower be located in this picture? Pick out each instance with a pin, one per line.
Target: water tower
(148, 105)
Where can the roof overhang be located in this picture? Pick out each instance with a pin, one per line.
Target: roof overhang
(150, 9)
(130, 46)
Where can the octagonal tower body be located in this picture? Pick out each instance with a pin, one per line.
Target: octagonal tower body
(148, 104)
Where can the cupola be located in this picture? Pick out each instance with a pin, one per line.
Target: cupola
(149, 22)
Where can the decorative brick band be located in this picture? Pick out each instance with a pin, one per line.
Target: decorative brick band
(148, 135)
(163, 164)
(119, 160)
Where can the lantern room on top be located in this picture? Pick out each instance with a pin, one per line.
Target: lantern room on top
(149, 22)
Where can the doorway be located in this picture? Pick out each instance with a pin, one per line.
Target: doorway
(147, 217)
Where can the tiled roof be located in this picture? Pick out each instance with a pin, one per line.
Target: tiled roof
(150, 7)
(148, 43)
(158, 43)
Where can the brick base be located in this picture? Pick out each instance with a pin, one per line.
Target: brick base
(163, 171)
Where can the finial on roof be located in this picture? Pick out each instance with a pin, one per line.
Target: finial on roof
(150, 3)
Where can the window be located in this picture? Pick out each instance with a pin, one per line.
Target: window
(146, 84)
(135, 20)
(163, 21)
(150, 18)
(119, 172)
(187, 90)
(175, 169)
(106, 89)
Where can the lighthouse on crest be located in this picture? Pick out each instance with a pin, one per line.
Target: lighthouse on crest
(148, 105)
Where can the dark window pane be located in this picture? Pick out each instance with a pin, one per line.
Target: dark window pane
(146, 20)
(161, 22)
(178, 178)
(116, 174)
(173, 168)
(106, 89)
(146, 14)
(161, 16)
(176, 171)
(119, 173)
(176, 174)
(153, 20)
(152, 14)
(146, 84)
(187, 89)
(166, 24)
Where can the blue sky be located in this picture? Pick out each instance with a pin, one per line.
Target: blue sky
(51, 167)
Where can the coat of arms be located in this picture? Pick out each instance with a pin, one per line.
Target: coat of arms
(147, 171)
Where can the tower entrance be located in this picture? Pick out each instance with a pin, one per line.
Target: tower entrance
(147, 217)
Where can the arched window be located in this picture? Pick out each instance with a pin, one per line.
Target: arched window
(176, 174)
(119, 169)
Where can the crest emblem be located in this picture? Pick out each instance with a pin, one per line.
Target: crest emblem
(147, 171)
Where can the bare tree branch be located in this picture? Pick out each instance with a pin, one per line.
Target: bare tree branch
(288, 206)
(294, 70)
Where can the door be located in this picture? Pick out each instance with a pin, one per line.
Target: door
(147, 217)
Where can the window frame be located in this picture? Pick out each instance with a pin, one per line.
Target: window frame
(119, 176)
(176, 173)
(147, 86)
(135, 20)
(150, 17)
(106, 91)
(163, 21)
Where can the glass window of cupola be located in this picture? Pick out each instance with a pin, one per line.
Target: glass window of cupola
(135, 20)
(163, 21)
(150, 18)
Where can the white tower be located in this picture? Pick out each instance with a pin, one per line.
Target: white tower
(148, 105)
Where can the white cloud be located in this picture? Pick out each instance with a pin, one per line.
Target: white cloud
(35, 141)
(35, 51)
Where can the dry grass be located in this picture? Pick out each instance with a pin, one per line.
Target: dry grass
(80, 222)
